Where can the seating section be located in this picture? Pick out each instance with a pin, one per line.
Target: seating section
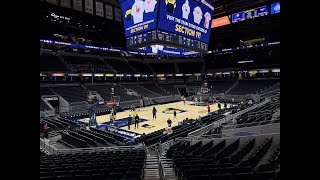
(86, 64)
(178, 131)
(220, 86)
(140, 67)
(117, 164)
(222, 160)
(257, 116)
(251, 86)
(140, 90)
(170, 88)
(105, 92)
(51, 63)
(120, 66)
(154, 88)
(46, 91)
(191, 67)
(163, 67)
(71, 93)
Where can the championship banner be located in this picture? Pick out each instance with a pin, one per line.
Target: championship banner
(65, 3)
(109, 12)
(99, 9)
(88, 6)
(55, 2)
(77, 5)
(117, 14)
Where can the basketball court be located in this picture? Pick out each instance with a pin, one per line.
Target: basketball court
(164, 111)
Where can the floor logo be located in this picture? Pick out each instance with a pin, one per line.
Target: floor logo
(171, 110)
(147, 126)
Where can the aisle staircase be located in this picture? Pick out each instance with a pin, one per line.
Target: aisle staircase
(151, 170)
(167, 168)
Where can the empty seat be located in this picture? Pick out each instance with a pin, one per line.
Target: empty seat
(82, 177)
(98, 177)
(65, 177)
(48, 177)
(199, 177)
(244, 176)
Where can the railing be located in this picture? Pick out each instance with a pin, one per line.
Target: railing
(254, 130)
(165, 146)
(248, 124)
(227, 119)
(49, 149)
(46, 147)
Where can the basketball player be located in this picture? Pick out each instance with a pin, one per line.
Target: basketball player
(175, 114)
(169, 122)
(111, 119)
(208, 107)
(154, 113)
(136, 121)
(134, 113)
(114, 114)
(184, 100)
(129, 121)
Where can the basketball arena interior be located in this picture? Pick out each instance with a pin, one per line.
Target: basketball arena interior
(160, 89)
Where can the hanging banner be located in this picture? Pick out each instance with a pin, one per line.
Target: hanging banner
(99, 9)
(55, 2)
(77, 5)
(109, 12)
(65, 3)
(88, 6)
(117, 14)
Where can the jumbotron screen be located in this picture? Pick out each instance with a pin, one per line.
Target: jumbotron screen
(178, 23)
(139, 16)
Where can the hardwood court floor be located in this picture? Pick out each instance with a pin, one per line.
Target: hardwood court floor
(191, 111)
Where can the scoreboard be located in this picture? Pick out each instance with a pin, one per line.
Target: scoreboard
(178, 23)
(166, 38)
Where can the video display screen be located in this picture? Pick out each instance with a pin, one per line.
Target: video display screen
(189, 18)
(139, 15)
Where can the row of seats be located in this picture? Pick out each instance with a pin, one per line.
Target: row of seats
(140, 90)
(51, 63)
(222, 161)
(71, 93)
(255, 116)
(170, 88)
(105, 92)
(102, 165)
(251, 86)
(154, 88)
(219, 86)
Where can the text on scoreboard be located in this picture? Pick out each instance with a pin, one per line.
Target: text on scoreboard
(139, 16)
(189, 18)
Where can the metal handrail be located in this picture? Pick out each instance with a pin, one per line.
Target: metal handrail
(228, 118)
(247, 124)
(49, 149)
